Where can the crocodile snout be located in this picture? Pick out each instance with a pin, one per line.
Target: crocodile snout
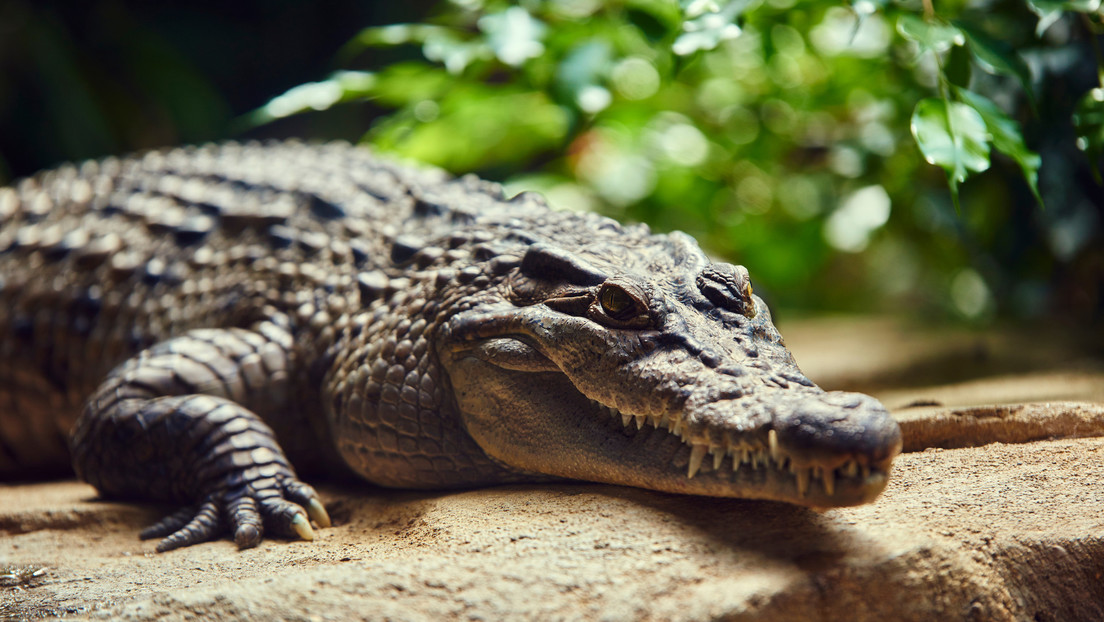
(829, 429)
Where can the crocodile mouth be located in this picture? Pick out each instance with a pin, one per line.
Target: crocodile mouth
(756, 463)
(798, 445)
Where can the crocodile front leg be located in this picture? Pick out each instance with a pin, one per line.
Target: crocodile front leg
(178, 423)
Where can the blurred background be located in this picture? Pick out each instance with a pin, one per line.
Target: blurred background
(776, 132)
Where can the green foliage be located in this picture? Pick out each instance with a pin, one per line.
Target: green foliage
(1050, 11)
(933, 36)
(1089, 121)
(772, 130)
(953, 136)
(1005, 136)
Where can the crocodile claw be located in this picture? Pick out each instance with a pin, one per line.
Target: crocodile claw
(286, 508)
(302, 527)
(318, 513)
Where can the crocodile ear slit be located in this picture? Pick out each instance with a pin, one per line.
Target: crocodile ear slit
(553, 264)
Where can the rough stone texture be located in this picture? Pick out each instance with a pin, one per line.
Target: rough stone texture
(996, 532)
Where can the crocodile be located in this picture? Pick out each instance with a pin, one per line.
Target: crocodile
(200, 326)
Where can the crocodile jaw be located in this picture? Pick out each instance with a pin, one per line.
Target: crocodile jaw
(536, 420)
(757, 464)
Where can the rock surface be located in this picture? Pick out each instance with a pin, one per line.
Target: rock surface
(994, 532)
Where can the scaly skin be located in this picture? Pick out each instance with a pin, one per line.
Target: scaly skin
(204, 318)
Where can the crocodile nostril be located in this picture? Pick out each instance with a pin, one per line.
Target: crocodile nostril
(839, 422)
(728, 287)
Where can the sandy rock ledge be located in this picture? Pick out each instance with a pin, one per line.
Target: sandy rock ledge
(1001, 532)
(993, 532)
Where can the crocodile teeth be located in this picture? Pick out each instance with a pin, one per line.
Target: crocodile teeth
(802, 481)
(851, 469)
(772, 440)
(772, 456)
(696, 456)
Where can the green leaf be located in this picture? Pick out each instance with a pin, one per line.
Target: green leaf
(395, 34)
(931, 35)
(957, 66)
(403, 84)
(1089, 123)
(697, 8)
(1006, 137)
(998, 57)
(581, 73)
(952, 136)
(1050, 10)
(452, 49)
(654, 23)
(341, 86)
(514, 35)
(712, 27)
(454, 53)
(476, 127)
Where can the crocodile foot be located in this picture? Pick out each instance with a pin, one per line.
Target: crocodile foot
(279, 505)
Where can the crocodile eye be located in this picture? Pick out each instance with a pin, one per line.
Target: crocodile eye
(617, 303)
(621, 303)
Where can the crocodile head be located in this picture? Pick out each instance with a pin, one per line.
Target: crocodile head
(650, 366)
